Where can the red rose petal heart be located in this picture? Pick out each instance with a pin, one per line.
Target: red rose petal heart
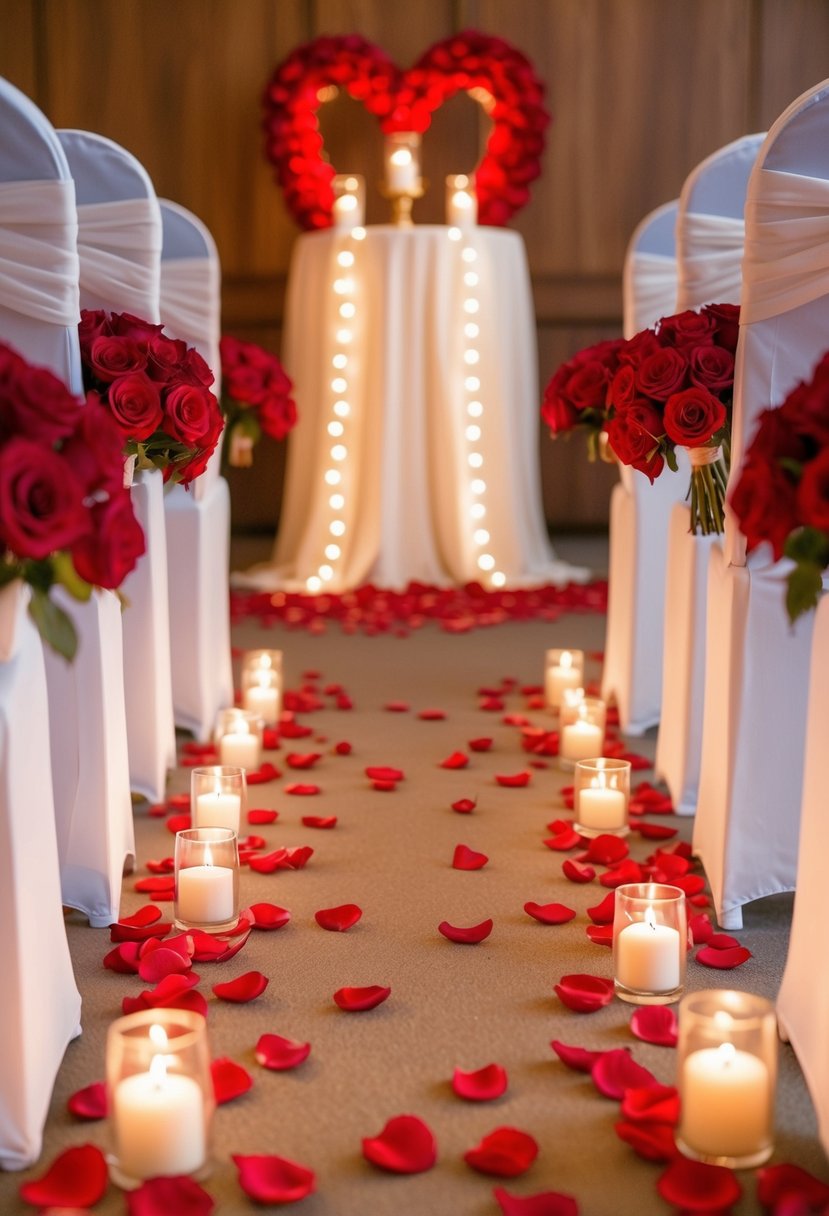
(302, 791)
(89, 1102)
(699, 1187)
(482, 1085)
(162, 1196)
(506, 1152)
(480, 745)
(513, 781)
(576, 873)
(230, 1080)
(606, 849)
(651, 1104)
(655, 1024)
(467, 935)
(723, 960)
(603, 913)
(544, 1203)
(269, 916)
(279, 1054)
(77, 1178)
(577, 1058)
(584, 993)
(261, 815)
(271, 1179)
(337, 920)
(465, 805)
(355, 1000)
(652, 1141)
(382, 772)
(244, 988)
(617, 1071)
(404, 1146)
(550, 914)
(456, 760)
(319, 821)
(467, 859)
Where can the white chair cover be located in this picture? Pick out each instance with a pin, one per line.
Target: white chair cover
(757, 670)
(639, 511)
(709, 246)
(40, 1007)
(198, 519)
(119, 242)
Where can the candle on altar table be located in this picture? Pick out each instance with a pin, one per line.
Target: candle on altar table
(401, 171)
(346, 211)
(601, 807)
(647, 956)
(460, 209)
(561, 675)
(580, 740)
(218, 810)
(726, 1102)
(262, 698)
(159, 1122)
(241, 749)
(204, 894)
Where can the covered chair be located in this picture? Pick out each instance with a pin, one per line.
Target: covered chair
(119, 243)
(639, 511)
(756, 676)
(709, 251)
(40, 1008)
(198, 519)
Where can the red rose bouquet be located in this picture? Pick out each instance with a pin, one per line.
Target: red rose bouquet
(782, 493)
(65, 517)
(256, 398)
(576, 396)
(155, 388)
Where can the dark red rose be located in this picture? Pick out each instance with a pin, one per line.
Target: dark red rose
(662, 374)
(638, 348)
(558, 413)
(244, 383)
(195, 369)
(813, 492)
(197, 464)
(806, 410)
(125, 325)
(634, 436)
(41, 500)
(277, 416)
(34, 403)
(775, 438)
(587, 387)
(92, 324)
(95, 449)
(687, 328)
(187, 413)
(711, 367)
(622, 388)
(164, 356)
(765, 503)
(111, 550)
(110, 358)
(135, 405)
(693, 416)
(726, 324)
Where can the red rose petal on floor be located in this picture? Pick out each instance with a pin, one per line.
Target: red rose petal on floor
(467, 859)
(89, 1102)
(466, 935)
(180, 943)
(355, 1000)
(617, 1071)
(722, 941)
(270, 739)
(491, 704)
(337, 920)
(464, 806)
(271, 1179)
(602, 913)
(230, 1080)
(560, 825)
(343, 748)
(651, 1104)
(302, 759)
(723, 960)
(123, 958)
(178, 823)
(505, 1152)
(127, 933)
(600, 935)
(173, 992)
(303, 791)
(432, 715)
(515, 720)
(627, 871)
(652, 1141)
(655, 1024)
(513, 781)
(404, 1146)
(544, 1203)
(564, 840)
(456, 760)
(267, 863)
(539, 764)
(701, 928)
(384, 786)
(252, 843)
(698, 1187)
(577, 1058)
(262, 775)
(480, 745)
(279, 1054)
(482, 1085)
(166, 865)
(776, 1183)
(700, 901)
(295, 730)
(606, 850)
(549, 914)
(397, 707)
(584, 993)
(691, 884)
(244, 988)
(157, 965)
(654, 831)
(260, 815)
(269, 916)
(382, 772)
(211, 948)
(162, 1196)
(319, 821)
(77, 1178)
(147, 915)
(299, 857)
(159, 809)
(577, 873)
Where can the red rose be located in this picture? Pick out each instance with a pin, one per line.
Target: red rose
(111, 550)
(711, 367)
(775, 437)
(36, 404)
(187, 413)
(277, 416)
(197, 464)
(110, 358)
(195, 369)
(135, 405)
(622, 389)
(164, 356)
(764, 501)
(558, 413)
(92, 324)
(95, 449)
(726, 319)
(693, 417)
(687, 328)
(587, 387)
(806, 409)
(244, 384)
(125, 325)
(634, 436)
(813, 492)
(662, 374)
(41, 500)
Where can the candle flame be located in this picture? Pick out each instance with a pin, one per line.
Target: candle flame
(462, 199)
(650, 919)
(158, 1070)
(238, 727)
(401, 156)
(566, 659)
(158, 1035)
(208, 856)
(726, 1053)
(264, 679)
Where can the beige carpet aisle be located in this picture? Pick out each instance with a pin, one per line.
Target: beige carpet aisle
(451, 1005)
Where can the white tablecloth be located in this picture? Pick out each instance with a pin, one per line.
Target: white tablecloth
(406, 476)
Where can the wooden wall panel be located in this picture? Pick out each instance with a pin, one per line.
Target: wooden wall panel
(792, 54)
(18, 50)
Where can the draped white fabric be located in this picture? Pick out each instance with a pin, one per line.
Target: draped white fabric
(120, 242)
(649, 289)
(405, 478)
(38, 253)
(709, 251)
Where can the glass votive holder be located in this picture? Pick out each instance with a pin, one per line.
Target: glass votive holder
(238, 738)
(581, 729)
(349, 209)
(207, 879)
(726, 1075)
(218, 796)
(461, 201)
(160, 1095)
(262, 684)
(563, 669)
(650, 943)
(601, 795)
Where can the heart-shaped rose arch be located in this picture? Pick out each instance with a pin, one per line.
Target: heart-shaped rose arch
(489, 69)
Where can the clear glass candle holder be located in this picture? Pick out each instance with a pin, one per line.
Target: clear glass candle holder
(160, 1096)
(650, 943)
(726, 1076)
(461, 201)
(581, 729)
(207, 879)
(563, 669)
(238, 738)
(218, 797)
(601, 796)
(262, 684)
(349, 209)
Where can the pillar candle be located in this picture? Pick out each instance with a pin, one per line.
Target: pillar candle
(646, 957)
(401, 171)
(580, 740)
(204, 895)
(559, 676)
(600, 807)
(239, 749)
(263, 699)
(726, 1100)
(217, 810)
(159, 1123)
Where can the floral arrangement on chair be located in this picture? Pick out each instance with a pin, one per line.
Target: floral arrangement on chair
(782, 493)
(155, 388)
(667, 387)
(65, 517)
(256, 399)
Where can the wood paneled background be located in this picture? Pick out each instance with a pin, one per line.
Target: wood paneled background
(640, 91)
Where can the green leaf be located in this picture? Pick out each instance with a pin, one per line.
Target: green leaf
(805, 584)
(53, 624)
(68, 577)
(808, 545)
(670, 459)
(592, 446)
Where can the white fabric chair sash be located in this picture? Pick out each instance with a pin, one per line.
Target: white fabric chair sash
(649, 289)
(38, 252)
(709, 252)
(104, 229)
(786, 261)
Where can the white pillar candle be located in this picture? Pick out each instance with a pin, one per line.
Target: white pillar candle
(159, 1123)
(263, 699)
(239, 749)
(647, 958)
(218, 810)
(460, 209)
(726, 1102)
(580, 740)
(600, 807)
(204, 895)
(346, 212)
(401, 171)
(559, 676)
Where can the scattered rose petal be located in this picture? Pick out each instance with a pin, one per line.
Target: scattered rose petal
(513, 780)
(723, 960)
(404, 1146)
(270, 739)
(260, 815)
(577, 873)
(279, 1054)
(543, 1203)
(627, 871)
(480, 745)
(173, 992)
(549, 914)
(230, 1080)
(397, 707)
(691, 884)
(655, 1024)
(269, 916)
(564, 840)
(179, 823)
(252, 843)
(302, 791)
(651, 1104)
(302, 759)
(617, 1071)
(89, 1102)
(267, 863)
(158, 964)
(338, 919)
(271, 1179)
(77, 1178)
(584, 993)
(432, 715)
(701, 928)
(384, 785)
(491, 704)
(700, 901)
(162, 1196)
(776, 1183)
(467, 859)
(482, 1085)
(147, 915)
(505, 1152)
(295, 730)
(577, 1058)
(265, 773)
(127, 933)
(456, 760)
(603, 913)
(467, 936)
(722, 941)
(166, 865)
(606, 849)
(244, 988)
(382, 772)
(123, 958)
(343, 748)
(465, 805)
(600, 935)
(655, 831)
(319, 821)
(515, 720)
(698, 1187)
(215, 948)
(355, 1000)
(299, 857)
(652, 1141)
